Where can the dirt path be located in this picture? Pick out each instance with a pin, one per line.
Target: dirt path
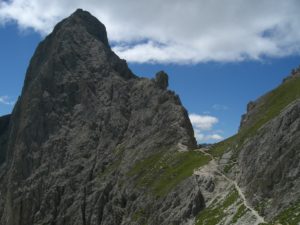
(259, 219)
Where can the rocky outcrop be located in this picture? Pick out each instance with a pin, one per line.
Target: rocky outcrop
(253, 111)
(81, 124)
(162, 79)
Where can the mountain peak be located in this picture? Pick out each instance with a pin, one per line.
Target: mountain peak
(78, 42)
(83, 19)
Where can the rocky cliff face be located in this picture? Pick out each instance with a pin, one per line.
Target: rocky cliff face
(70, 150)
(270, 163)
(269, 154)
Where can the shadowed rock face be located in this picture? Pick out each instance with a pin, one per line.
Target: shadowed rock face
(83, 120)
(4, 124)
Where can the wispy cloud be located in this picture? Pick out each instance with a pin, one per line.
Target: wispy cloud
(6, 100)
(177, 31)
(203, 128)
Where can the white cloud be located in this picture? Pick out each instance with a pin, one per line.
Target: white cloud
(215, 137)
(203, 122)
(177, 31)
(203, 125)
(6, 100)
(204, 138)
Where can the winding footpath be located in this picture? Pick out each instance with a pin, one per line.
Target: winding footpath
(259, 219)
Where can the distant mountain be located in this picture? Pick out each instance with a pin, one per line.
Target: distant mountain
(91, 143)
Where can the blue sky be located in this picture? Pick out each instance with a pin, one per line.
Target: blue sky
(214, 82)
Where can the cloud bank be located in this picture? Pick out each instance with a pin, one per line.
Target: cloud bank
(176, 31)
(203, 125)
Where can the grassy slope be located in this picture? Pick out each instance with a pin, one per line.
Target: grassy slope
(274, 102)
(290, 216)
(162, 172)
(217, 211)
